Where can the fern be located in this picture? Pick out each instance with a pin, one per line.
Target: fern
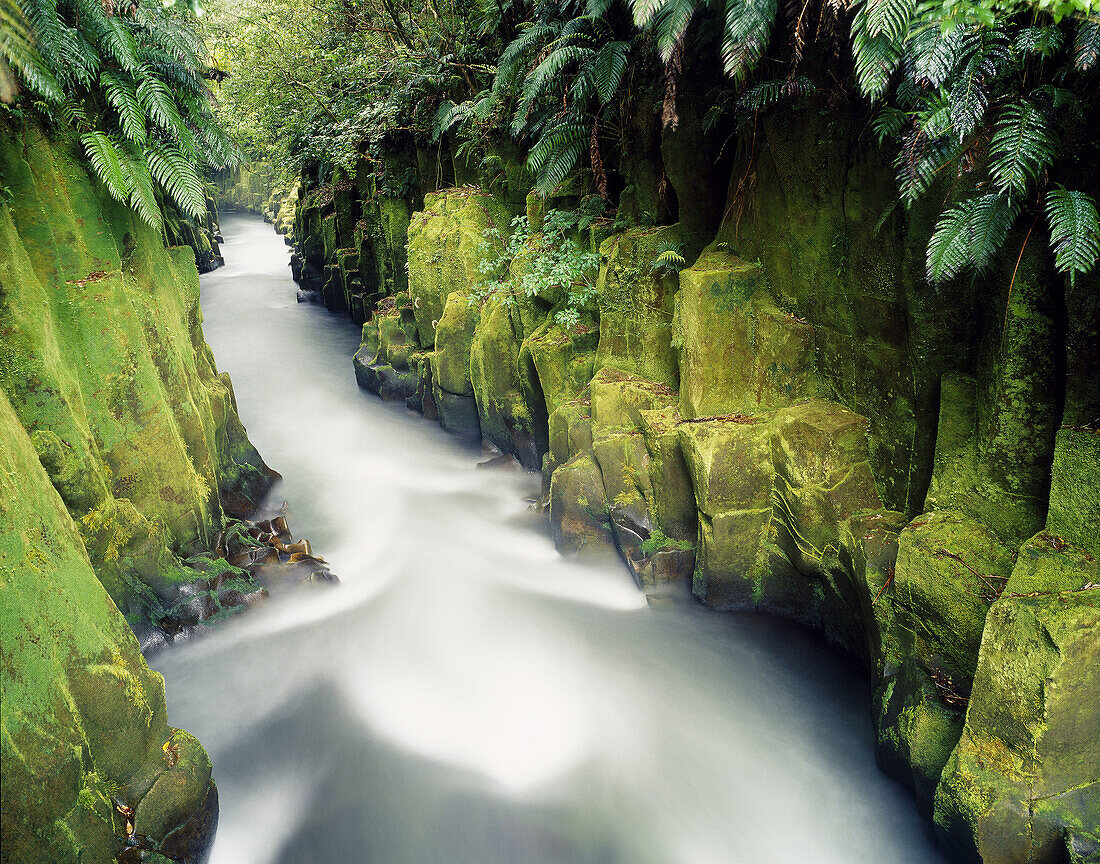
(608, 67)
(889, 122)
(877, 56)
(769, 93)
(1086, 44)
(176, 175)
(106, 160)
(1074, 230)
(969, 235)
(748, 30)
(889, 18)
(556, 153)
(121, 96)
(131, 82)
(1023, 145)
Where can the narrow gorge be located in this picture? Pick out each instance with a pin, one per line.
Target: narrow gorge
(698, 402)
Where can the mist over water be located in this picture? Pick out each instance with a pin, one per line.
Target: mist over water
(467, 696)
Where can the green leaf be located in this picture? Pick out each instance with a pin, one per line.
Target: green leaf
(1074, 230)
(1023, 145)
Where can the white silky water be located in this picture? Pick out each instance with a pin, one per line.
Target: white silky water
(467, 696)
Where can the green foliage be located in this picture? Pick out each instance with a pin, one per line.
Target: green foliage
(658, 540)
(969, 235)
(131, 80)
(1074, 230)
(529, 264)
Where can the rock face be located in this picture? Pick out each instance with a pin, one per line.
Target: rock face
(121, 453)
(795, 423)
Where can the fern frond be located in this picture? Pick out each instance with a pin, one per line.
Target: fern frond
(1074, 230)
(969, 235)
(143, 196)
(608, 67)
(1044, 41)
(177, 176)
(557, 152)
(1023, 145)
(889, 18)
(748, 31)
(1086, 44)
(106, 161)
(122, 97)
(876, 56)
(768, 93)
(889, 122)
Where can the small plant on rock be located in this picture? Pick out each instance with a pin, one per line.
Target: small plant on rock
(545, 263)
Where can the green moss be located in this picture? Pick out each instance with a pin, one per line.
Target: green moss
(1075, 489)
(82, 715)
(636, 305)
(104, 363)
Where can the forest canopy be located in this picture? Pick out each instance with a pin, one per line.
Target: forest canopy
(993, 94)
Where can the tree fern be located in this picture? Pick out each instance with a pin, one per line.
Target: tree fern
(1023, 145)
(608, 67)
(1074, 230)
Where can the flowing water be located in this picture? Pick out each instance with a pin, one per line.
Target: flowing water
(467, 696)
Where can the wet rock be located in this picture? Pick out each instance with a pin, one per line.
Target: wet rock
(579, 516)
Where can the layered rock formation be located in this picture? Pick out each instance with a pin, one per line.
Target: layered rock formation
(794, 423)
(122, 453)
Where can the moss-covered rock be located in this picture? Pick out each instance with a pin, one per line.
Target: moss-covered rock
(509, 419)
(737, 350)
(563, 358)
(579, 519)
(103, 360)
(636, 301)
(454, 335)
(916, 731)
(446, 244)
(673, 506)
(1074, 512)
(83, 718)
(1024, 780)
(950, 568)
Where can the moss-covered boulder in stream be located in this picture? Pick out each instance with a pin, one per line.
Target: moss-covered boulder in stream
(87, 752)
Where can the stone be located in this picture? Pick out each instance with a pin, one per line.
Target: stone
(950, 568)
(1074, 512)
(635, 300)
(579, 519)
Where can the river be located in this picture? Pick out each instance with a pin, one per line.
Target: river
(467, 696)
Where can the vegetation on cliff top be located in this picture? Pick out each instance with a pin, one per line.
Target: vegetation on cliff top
(132, 79)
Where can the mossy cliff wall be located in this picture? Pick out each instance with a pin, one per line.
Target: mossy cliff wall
(795, 422)
(122, 453)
